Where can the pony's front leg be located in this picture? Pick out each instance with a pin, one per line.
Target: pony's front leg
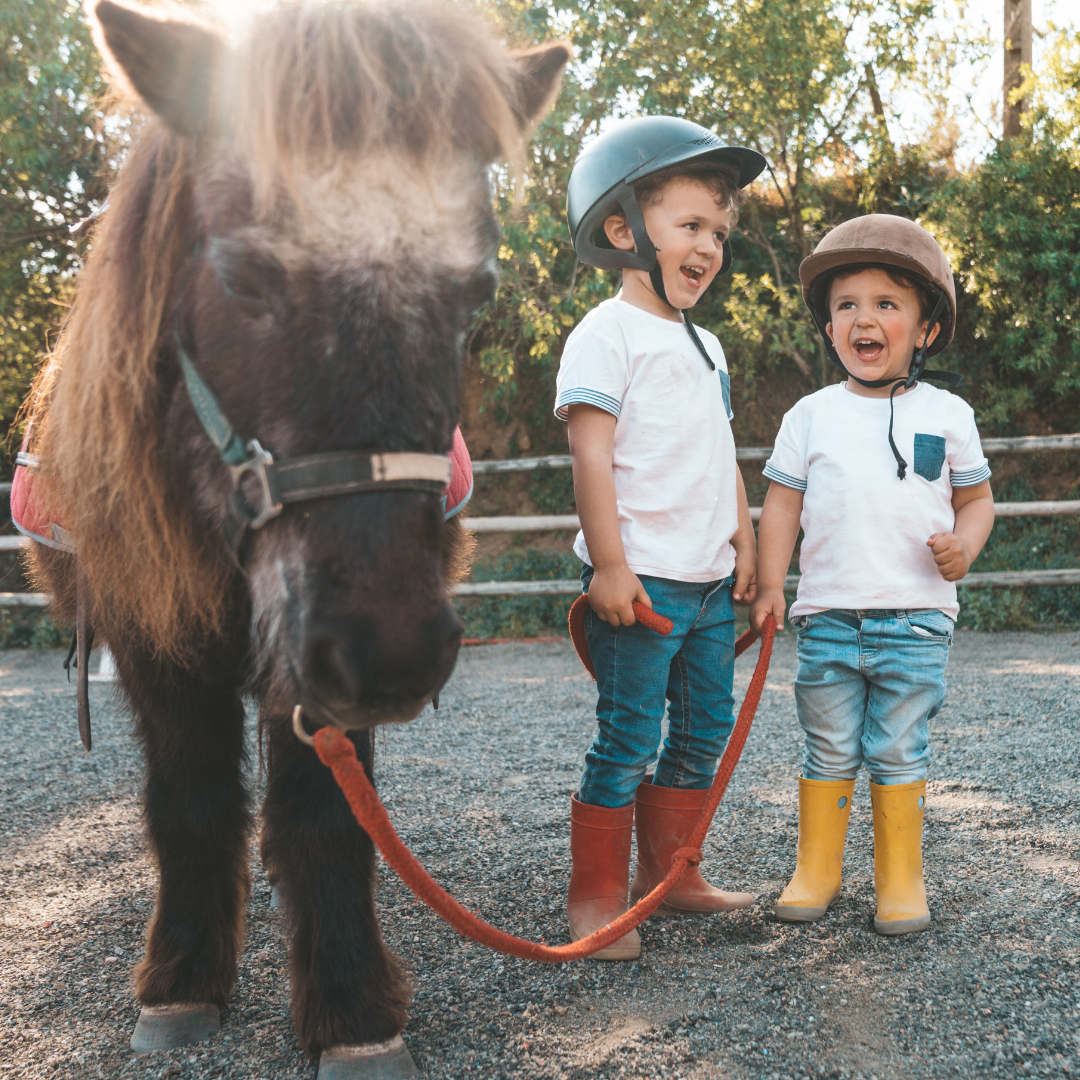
(191, 725)
(349, 997)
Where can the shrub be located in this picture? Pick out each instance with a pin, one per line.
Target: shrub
(520, 616)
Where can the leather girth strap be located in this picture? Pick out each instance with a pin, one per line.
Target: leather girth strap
(81, 646)
(85, 634)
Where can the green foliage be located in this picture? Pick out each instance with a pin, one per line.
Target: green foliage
(552, 491)
(1025, 544)
(806, 83)
(22, 628)
(52, 158)
(520, 616)
(994, 609)
(788, 79)
(1012, 229)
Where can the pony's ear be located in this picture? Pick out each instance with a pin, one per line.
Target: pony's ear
(538, 75)
(172, 65)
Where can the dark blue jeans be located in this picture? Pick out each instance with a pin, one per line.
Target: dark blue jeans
(638, 672)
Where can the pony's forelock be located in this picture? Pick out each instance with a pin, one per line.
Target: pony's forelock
(320, 82)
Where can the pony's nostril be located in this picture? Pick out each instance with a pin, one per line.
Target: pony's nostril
(327, 671)
(368, 663)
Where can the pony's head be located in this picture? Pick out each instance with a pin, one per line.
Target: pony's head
(308, 215)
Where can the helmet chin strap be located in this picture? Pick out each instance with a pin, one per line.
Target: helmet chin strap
(644, 245)
(915, 372)
(656, 276)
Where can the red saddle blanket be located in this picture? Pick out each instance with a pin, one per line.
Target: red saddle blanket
(35, 516)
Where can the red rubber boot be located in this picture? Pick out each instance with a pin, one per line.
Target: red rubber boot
(665, 818)
(600, 847)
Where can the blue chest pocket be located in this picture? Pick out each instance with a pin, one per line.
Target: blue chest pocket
(929, 456)
(725, 388)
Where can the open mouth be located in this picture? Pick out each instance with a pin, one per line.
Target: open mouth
(867, 349)
(692, 275)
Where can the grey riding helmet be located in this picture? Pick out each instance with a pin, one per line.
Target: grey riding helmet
(602, 182)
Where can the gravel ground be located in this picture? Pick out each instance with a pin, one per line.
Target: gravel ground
(480, 791)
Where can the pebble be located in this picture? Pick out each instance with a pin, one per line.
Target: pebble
(480, 791)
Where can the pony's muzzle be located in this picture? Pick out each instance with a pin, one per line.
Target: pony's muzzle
(360, 674)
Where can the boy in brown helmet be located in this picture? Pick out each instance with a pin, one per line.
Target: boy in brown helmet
(886, 477)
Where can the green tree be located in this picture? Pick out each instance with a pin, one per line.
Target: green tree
(787, 79)
(1012, 229)
(53, 159)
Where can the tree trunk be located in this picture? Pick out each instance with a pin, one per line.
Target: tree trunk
(1017, 53)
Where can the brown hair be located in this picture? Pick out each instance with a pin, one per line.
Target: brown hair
(721, 180)
(927, 299)
(317, 83)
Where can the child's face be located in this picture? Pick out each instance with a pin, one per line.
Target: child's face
(688, 230)
(875, 324)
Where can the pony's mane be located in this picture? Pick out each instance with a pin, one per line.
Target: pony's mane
(314, 84)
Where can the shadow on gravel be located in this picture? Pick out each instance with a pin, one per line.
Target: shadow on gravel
(480, 791)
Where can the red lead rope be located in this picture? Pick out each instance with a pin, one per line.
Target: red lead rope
(339, 754)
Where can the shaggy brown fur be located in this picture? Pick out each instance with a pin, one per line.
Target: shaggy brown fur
(278, 216)
(315, 85)
(97, 417)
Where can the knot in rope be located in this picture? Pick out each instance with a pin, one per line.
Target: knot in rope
(692, 855)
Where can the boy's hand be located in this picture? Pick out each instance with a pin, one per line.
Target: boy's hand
(612, 593)
(745, 588)
(769, 602)
(951, 555)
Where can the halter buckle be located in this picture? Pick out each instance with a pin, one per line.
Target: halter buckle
(258, 463)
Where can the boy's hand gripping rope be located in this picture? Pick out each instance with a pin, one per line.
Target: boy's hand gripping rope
(339, 755)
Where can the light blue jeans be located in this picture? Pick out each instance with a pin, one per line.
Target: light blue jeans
(638, 672)
(868, 684)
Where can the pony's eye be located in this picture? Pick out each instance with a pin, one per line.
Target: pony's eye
(480, 288)
(248, 274)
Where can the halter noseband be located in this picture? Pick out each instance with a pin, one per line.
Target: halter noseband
(314, 476)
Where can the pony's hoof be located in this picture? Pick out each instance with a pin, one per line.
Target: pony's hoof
(162, 1027)
(275, 898)
(388, 1060)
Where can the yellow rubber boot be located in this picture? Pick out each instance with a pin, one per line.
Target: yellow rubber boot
(824, 808)
(898, 870)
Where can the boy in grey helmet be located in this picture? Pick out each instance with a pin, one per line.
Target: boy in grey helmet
(665, 521)
(886, 477)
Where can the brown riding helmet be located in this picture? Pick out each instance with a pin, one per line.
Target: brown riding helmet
(887, 242)
(884, 241)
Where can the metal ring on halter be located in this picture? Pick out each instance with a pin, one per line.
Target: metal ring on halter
(298, 726)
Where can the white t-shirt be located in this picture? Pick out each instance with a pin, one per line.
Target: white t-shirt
(865, 529)
(674, 455)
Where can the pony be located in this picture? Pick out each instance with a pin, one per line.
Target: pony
(305, 219)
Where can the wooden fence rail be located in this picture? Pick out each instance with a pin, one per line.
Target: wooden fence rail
(572, 587)
(1004, 579)
(1027, 444)
(558, 522)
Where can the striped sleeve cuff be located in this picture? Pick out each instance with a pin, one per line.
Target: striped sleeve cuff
(580, 395)
(971, 477)
(773, 473)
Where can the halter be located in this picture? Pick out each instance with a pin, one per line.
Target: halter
(314, 476)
